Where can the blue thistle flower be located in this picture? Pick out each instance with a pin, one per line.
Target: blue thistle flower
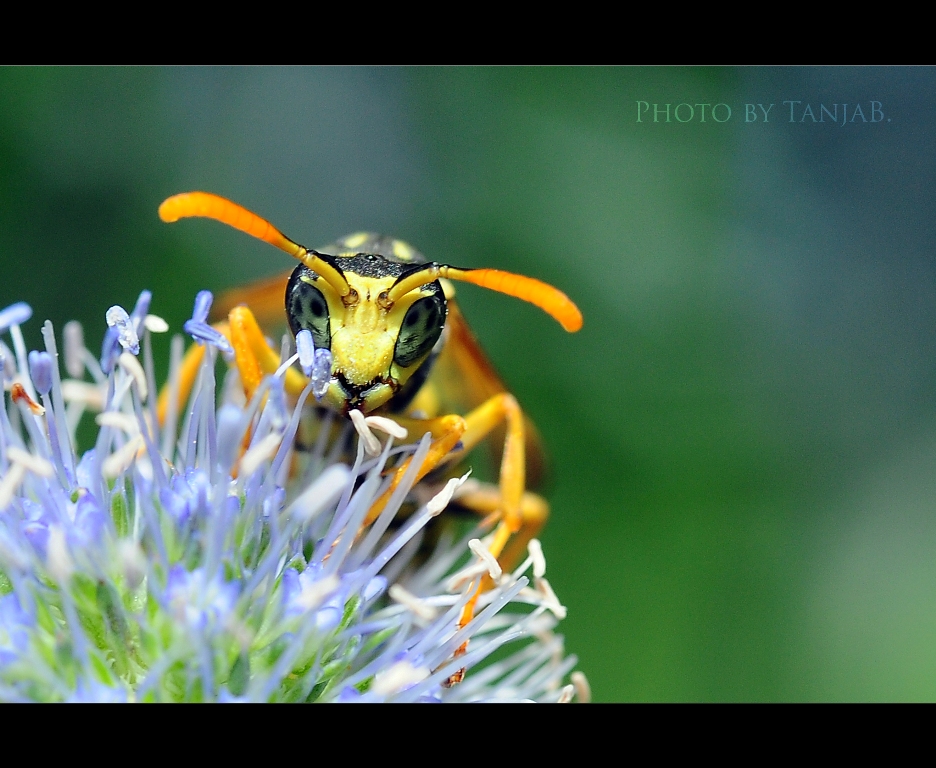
(167, 563)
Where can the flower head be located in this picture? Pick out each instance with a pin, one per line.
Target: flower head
(219, 557)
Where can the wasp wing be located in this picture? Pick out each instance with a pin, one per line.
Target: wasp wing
(266, 299)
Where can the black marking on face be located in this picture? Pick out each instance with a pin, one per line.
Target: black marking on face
(421, 328)
(306, 308)
(356, 395)
(407, 393)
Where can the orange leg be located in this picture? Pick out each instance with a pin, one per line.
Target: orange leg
(502, 407)
(446, 431)
(187, 374)
(519, 513)
(254, 357)
(486, 500)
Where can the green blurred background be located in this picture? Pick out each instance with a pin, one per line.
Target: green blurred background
(743, 434)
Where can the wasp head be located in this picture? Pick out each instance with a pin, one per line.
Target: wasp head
(377, 344)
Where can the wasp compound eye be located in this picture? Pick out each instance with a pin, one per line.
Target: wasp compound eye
(307, 310)
(421, 328)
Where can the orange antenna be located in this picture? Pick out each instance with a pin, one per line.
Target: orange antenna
(551, 300)
(209, 206)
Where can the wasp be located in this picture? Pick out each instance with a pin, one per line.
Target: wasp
(400, 347)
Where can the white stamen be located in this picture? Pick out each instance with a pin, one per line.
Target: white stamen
(549, 640)
(259, 453)
(59, 560)
(121, 459)
(132, 366)
(468, 486)
(582, 688)
(91, 395)
(74, 347)
(30, 462)
(155, 324)
(535, 558)
(540, 624)
(387, 426)
(321, 494)
(531, 596)
(371, 443)
(441, 500)
(420, 608)
(314, 595)
(550, 600)
(539, 561)
(456, 582)
(399, 676)
(35, 464)
(10, 482)
(493, 567)
(117, 420)
(285, 366)
(566, 696)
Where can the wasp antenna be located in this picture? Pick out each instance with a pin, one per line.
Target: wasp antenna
(209, 206)
(551, 300)
(327, 270)
(413, 279)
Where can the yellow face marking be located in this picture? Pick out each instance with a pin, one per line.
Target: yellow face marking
(363, 339)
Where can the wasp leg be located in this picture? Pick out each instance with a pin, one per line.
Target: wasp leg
(502, 407)
(188, 371)
(481, 421)
(254, 357)
(446, 432)
(486, 500)
(478, 424)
